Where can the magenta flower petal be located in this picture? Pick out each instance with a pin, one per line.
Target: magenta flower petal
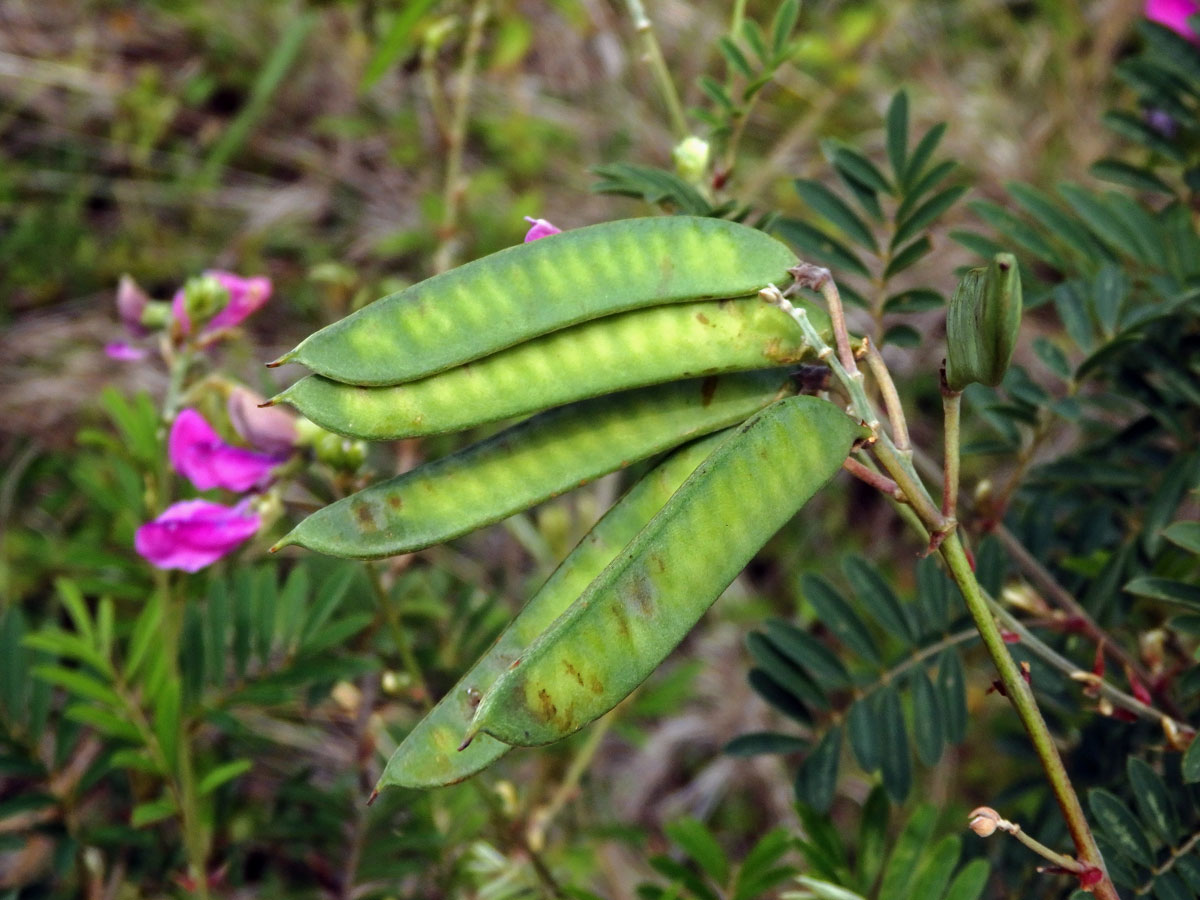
(124, 352)
(246, 296)
(1174, 14)
(541, 228)
(192, 534)
(197, 452)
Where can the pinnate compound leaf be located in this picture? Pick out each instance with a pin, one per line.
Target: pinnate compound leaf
(836, 614)
(826, 203)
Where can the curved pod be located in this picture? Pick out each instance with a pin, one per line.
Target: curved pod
(429, 755)
(638, 348)
(642, 605)
(535, 288)
(531, 462)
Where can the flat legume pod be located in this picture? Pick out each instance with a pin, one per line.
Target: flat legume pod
(647, 346)
(429, 756)
(535, 288)
(641, 606)
(533, 461)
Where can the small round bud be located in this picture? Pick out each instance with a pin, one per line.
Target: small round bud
(984, 821)
(691, 158)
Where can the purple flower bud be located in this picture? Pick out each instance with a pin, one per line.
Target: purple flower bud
(119, 350)
(192, 534)
(1174, 14)
(197, 452)
(541, 228)
(271, 429)
(131, 304)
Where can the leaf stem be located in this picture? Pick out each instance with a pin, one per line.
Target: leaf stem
(658, 67)
(891, 398)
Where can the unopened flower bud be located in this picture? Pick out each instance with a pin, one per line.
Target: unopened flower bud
(982, 323)
(131, 304)
(984, 821)
(691, 158)
(271, 429)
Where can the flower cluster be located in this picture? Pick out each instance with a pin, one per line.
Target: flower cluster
(192, 534)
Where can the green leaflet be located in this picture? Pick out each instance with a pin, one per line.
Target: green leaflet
(624, 351)
(535, 288)
(533, 461)
(429, 756)
(643, 604)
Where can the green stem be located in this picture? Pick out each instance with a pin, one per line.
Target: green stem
(952, 406)
(399, 635)
(454, 189)
(658, 67)
(1022, 699)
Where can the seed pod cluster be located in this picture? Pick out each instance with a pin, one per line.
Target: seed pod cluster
(620, 342)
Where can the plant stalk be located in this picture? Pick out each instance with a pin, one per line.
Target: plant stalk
(658, 67)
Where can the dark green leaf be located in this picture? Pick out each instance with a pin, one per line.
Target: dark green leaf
(923, 152)
(1108, 293)
(784, 672)
(835, 613)
(977, 243)
(897, 134)
(861, 169)
(1179, 477)
(1165, 589)
(1189, 868)
(825, 249)
(828, 204)
(901, 336)
(1169, 886)
(1018, 231)
(913, 301)
(896, 762)
(933, 594)
(907, 256)
(1062, 226)
(782, 699)
(926, 214)
(863, 726)
(817, 777)
(1068, 302)
(1130, 126)
(1153, 800)
(808, 652)
(915, 194)
(873, 837)
(1136, 177)
(698, 842)
(13, 665)
(875, 594)
(765, 742)
(1120, 826)
(1173, 50)
(1098, 218)
(927, 721)
(952, 689)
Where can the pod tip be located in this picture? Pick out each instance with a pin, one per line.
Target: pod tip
(468, 737)
(286, 358)
(374, 795)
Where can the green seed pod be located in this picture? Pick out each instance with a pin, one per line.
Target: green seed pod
(535, 288)
(529, 463)
(643, 604)
(634, 349)
(429, 756)
(982, 323)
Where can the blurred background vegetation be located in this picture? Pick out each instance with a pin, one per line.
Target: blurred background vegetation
(311, 142)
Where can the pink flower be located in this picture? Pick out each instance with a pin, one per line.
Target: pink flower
(246, 296)
(541, 228)
(198, 452)
(1174, 14)
(119, 350)
(192, 534)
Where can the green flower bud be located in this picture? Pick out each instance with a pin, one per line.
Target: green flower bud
(982, 323)
(691, 158)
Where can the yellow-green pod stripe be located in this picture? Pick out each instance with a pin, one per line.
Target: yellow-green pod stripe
(633, 349)
(643, 604)
(535, 288)
(429, 755)
(531, 462)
